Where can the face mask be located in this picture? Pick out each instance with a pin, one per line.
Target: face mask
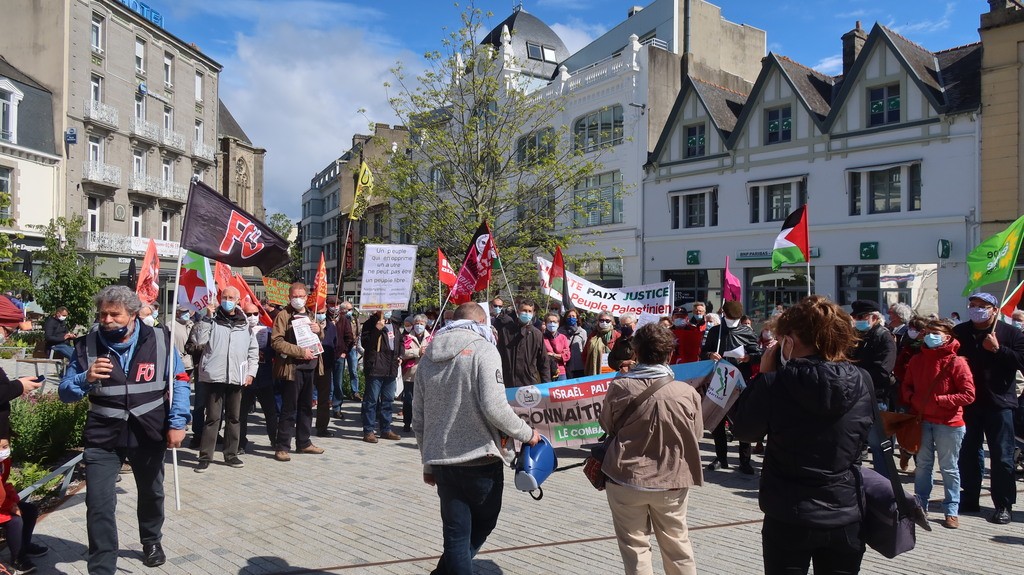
(678, 322)
(387, 315)
(334, 310)
(525, 317)
(783, 360)
(418, 329)
(227, 305)
(148, 320)
(731, 323)
(627, 330)
(321, 317)
(5, 454)
(604, 325)
(430, 323)
(1018, 324)
(298, 303)
(573, 322)
(697, 318)
(552, 327)
(913, 333)
(979, 314)
(933, 340)
(497, 310)
(116, 334)
(766, 334)
(62, 317)
(862, 324)
(253, 320)
(183, 317)
(348, 313)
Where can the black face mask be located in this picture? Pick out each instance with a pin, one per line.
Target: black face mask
(627, 331)
(115, 335)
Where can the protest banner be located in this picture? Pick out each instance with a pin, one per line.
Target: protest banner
(277, 291)
(655, 299)
(567, 412)
(387, 277)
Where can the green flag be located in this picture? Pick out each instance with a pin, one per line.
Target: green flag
(993, 260)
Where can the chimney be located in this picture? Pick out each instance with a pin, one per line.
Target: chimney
(853, 41)
(632, 11)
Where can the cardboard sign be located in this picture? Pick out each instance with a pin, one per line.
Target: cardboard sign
(387, 277)
(277, 291)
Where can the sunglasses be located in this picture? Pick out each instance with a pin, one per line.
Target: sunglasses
(253, 314)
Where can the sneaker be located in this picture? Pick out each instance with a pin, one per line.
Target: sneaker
(716, 465)
(36, 550)
(356, 397)
(23, 566)
(202, 467)
(1001, 516)
(312, 449)
(281, 455)
(390, 435)
(234, 461)
(951, 522)
(370, 438)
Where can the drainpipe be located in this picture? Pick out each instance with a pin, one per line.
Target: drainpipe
(686, 26)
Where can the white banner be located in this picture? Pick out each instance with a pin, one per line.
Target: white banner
(652, 299)
(387, 276)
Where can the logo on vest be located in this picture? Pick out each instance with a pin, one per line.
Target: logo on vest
(147, 372)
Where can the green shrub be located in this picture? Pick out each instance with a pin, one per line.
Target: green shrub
(28, 474)
(24, 339)
(45, 428)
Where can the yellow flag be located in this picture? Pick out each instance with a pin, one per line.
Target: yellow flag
(365, 183)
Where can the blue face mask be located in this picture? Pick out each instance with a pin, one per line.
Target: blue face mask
(525, 317)
(115, 335)
(573, 322)
(184, 317)
(552, 327)
(862, 324)
(321, 317)
(933, 340)
(227, 305)
(387, 315)
(1018, 324)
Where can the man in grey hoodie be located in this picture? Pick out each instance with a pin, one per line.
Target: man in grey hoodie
(462, 422)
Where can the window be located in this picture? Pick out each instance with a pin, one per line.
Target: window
(694, 209)
(695, 141)
(914, 204)
(140, 56)
(199, 86)
(884, 191)
(95, 149)
(167, 171)
(168, 119)
(884, 105)
(535, 146)
(8, 116)
(199, 131)
(539, 52)
(136, 221)
(6, 188)
(96, 88)
(599, 200)
(165, 224)
(605, 273)
(601, 128)
(140, 107)
(92, 214)
(96, 34)
(773, 201)
(168, 70)
(439, 179)
(197, 174)
(787, 286)
(778, 125)
(912, 284)
(139, 162)
(887, 189)
(541, 203)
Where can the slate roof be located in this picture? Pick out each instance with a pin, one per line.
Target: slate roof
(961, 77)
(922, 63)
(35, 112)
(227, 126)
(526, 27)
(723, 104)
(812, 86)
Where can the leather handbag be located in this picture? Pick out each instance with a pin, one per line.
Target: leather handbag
(592, 465)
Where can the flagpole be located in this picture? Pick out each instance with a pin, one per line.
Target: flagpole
(170, 378)
(1006, 288)
(344, 257)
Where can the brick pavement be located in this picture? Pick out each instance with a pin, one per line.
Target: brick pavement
(362, 508)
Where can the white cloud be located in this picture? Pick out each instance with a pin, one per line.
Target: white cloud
(928, 26)
(576, 34)
(830, 65)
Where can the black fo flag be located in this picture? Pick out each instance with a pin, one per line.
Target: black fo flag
(218, 229)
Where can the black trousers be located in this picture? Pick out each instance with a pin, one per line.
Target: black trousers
(323, 394)
(790, 549)
(250, 395)
(722, 446)
(101, 469)
(296, 411)
(226, 399)
(20, 528)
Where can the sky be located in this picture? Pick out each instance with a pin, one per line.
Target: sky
(302, 76)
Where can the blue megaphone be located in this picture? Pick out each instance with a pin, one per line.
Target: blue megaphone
(533, 465)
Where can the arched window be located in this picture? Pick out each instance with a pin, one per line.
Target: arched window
(597, 129)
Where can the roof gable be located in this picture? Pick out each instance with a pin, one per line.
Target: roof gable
(722, 105)
(227, 126)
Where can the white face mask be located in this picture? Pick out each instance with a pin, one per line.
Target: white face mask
(253, 320)
(731, 323)
(148, 320)
(783, 360)
(298, 303)
(5, 454)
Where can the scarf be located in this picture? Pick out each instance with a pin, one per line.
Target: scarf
(480, 329)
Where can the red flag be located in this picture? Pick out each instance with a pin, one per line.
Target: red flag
(558, 281)
(445, 273)
(320, 286)
(222, 275)
(148, 288)
(1010, 305)
(475, 274)
(249, 297)
(731, 290)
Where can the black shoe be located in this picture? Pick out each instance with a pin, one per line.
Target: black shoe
(194, 442)
(716, 465)
(23, 566)
(234, 461)
(201, 467)
(970, 507)
(36, 550)
(1001, 516)
(325, 433)
(153, 553)
(746, 468)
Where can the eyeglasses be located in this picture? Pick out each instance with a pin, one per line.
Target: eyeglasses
(253, 314)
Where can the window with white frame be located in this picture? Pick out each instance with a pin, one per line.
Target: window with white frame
(778, 125)
(600, 128)
(199, 86)
(695, 141)
(96, 34)
(96, 88)
(167, 171)
(140, 107)
(884, 105)
(536, 146)
(166, 217)
(139, 162)
(136, 221)
(95, 149)
(885, 189)
(540, 52)
(439, 178)
(168, 118)
(199, 131)
(168, 70)
(9, 99)
(140, 56)
(6, 187)
(694, 208)
(599, 200)
(92, 214)
(772, 201)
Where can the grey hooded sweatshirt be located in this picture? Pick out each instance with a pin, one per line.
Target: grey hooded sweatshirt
(459, 409)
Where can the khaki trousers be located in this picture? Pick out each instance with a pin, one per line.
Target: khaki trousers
(636, 513)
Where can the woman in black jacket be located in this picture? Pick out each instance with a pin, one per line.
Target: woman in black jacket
(815, 407)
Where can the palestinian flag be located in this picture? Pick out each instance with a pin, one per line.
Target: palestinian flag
(558, 281)
(1011, 301)
(792, 245)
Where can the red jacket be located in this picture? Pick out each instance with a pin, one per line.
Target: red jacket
(688, 341)
(949, 393)
(8, 496)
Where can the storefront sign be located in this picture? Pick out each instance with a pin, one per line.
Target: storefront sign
(144, 11)
(765, 254)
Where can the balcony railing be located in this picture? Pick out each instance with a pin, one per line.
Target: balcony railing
(145, 129)
(172, 139)
(102, 173)
(100, 112)
(172, 191)
(108, 242)
(203, 151)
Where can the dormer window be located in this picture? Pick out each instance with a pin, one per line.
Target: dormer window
(884, 105)
(10, 96)
(778, 125)
(539, 52)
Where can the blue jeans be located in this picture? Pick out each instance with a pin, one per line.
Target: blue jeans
(377, 402)
(470, 504)
(64, 349)
(337, 389)
(944, 441)
(353, 370)
(995, 425)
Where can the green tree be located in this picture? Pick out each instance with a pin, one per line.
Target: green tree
(11, 277)
(486, 144)
(283, 225)
(65, 279)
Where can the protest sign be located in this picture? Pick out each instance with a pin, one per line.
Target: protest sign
(277, 291)
(387, 277)
(655, 299)
(567, 411)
